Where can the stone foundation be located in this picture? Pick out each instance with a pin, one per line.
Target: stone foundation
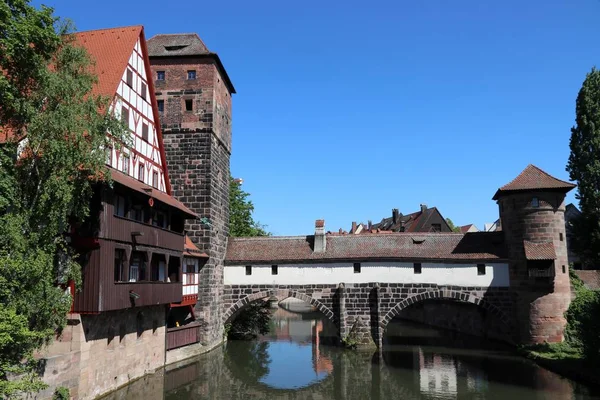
(96, 354)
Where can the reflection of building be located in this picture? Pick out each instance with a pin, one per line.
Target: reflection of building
(437, 373)
(320, 363)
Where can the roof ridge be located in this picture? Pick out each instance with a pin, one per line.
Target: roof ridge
(107, 29)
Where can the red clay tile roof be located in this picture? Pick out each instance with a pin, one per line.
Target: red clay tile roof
(110, 50)
(533, 178)
(465, 228)
(141, 187)
(434, 246)
(539, 251)
(590, 278)
(190, 249)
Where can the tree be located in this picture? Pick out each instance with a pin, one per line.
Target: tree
(453, 228)
(241, 222)
(584, 168)
(46, 179)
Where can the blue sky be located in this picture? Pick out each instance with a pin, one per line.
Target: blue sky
(346, 110)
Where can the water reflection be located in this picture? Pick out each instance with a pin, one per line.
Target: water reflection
(293, 363)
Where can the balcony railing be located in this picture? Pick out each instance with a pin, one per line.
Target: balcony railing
(541, 273)
(182, 336)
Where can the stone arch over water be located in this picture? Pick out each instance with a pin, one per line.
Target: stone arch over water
(281, 294)
(457, 297)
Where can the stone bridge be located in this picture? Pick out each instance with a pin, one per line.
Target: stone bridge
(362, 311)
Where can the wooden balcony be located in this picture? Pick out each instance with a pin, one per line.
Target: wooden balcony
(541, 273)
(122, 229)
(182, 335)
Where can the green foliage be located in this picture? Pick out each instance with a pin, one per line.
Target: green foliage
(584, 167)
(453, 228)
(241, 222)
(61, 393)
(45, 96)
(583, 325)
(251, 322)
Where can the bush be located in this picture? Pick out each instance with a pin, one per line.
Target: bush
(61, 393)
(252, 321)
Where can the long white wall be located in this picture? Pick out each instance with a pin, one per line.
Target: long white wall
(496, 274)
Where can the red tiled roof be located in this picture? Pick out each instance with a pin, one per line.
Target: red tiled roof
(539, 251)
(590, 278)
(533, 178)
(110, 50)
(428, 246)
(465, 228)
(141, 187)
(190, 249)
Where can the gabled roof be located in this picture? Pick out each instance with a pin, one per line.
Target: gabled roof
(539, 251)
(410, 246)
(185, 45)
(414, 222)
(532, 178)
(110, 50)
(190, 249)
(468, 228)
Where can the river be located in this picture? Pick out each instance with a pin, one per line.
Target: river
(295, 362)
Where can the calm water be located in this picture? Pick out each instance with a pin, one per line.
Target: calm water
(294, 362)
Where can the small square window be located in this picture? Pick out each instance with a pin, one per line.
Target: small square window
(144, 90)
(161, 105)
(417, 268)
(535, 202)
(189, 105)
(191, 74)
(160, 75)
(248, 269)
(145, 132)
(155, 179)
(141, 172)
(480, 269)
(274, 270)
(129, 78)
(357, 268)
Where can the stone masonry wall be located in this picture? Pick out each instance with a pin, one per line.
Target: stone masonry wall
(541, 302)
(364, 310)
(198, 148)
(99, 353)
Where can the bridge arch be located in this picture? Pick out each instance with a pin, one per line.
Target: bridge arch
(452, 295)
(281, 294)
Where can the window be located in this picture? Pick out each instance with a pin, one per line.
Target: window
(129, 78)
(189, 105)
(136, 268)
(125, 115)
(191, 74)
(145, 132)
(560, 236)
(248, 269)
(564, 269)
(143, 91)
(160, 75)
(274, 270)
(109, 156)
(137, 213)
(155, 179)
(436, 227)
(535, 202)
(161, 105)
(125, 164)
(159, 219)
(417, 268)
(480, 269)
(141, 172)
(357, 268)
(119, 264)
(120, 206)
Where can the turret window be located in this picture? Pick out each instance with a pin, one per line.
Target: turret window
(535, 202)
(189, 105)
(191, 74)
(160, 75)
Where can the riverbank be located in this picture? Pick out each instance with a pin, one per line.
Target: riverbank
(563, 360)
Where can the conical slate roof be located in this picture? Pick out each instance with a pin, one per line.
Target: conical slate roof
(533, 178)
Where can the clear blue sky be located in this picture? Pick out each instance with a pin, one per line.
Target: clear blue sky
(348, 109)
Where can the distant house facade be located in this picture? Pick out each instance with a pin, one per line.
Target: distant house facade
(424, 220)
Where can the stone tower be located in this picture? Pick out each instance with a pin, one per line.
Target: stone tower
(193, 92)
(532, 212)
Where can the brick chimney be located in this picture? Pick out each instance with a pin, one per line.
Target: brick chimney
(423, 207)
(369, 225)
(353, 230)
(395, 213)
(320, 244)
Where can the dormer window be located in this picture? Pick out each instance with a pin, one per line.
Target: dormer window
(535, 202)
